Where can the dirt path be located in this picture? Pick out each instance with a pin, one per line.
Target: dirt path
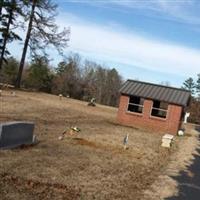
(168, 185)
(189, 183)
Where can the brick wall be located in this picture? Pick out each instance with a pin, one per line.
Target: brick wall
(145, 121)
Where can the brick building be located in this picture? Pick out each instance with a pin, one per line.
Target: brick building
(153, 107)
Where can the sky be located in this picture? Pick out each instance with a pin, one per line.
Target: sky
(148, 40)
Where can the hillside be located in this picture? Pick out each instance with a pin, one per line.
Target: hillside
(89, 165)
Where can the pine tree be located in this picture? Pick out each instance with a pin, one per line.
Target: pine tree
(67, 81)
(1, 6)
(39, 75)
(189, 84)
(9, 70)
(42, 31)
(198, 86)
(8, 17)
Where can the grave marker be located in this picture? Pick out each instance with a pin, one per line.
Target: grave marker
(14, 134)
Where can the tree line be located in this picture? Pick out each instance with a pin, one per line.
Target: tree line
(194, 87)
(73, 77)
(37, 19)
(80, 79)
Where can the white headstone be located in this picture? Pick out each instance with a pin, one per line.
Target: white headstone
(167, 140)
(186, 117)
(13, 93)
(60, 96)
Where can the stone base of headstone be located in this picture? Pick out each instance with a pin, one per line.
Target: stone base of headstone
(166, 144)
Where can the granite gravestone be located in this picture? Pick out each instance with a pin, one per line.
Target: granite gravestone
(14, 134)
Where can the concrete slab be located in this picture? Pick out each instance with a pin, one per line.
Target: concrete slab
(166, 144)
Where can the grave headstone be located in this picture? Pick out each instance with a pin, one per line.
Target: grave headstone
(60, 96)
(186, 117)
(14, 134)
(167, 140)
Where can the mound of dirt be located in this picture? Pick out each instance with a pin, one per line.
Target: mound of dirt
(32, 188)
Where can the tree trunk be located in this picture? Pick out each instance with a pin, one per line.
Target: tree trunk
(28, 35)
(1, 5)
(6, 34)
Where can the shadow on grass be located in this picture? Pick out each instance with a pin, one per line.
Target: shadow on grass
(197, 128)
(189, 182)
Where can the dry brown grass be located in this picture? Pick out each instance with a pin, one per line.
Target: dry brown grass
(91, 165)
(166, 185)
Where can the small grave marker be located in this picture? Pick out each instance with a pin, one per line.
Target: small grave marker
(60, 96)
(125, 141)
(167, 140)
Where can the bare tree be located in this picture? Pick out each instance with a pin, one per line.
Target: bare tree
(68, 79)
(113, 84)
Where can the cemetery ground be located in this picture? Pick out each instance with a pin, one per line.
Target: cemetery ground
(89, 165)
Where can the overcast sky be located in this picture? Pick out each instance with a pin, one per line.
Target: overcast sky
(154, 41)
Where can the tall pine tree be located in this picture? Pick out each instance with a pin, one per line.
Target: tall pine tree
(189, 84)
(9, 11)
(198, 86)
(42, 31)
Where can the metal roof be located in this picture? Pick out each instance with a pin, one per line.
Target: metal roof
(156, 92)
